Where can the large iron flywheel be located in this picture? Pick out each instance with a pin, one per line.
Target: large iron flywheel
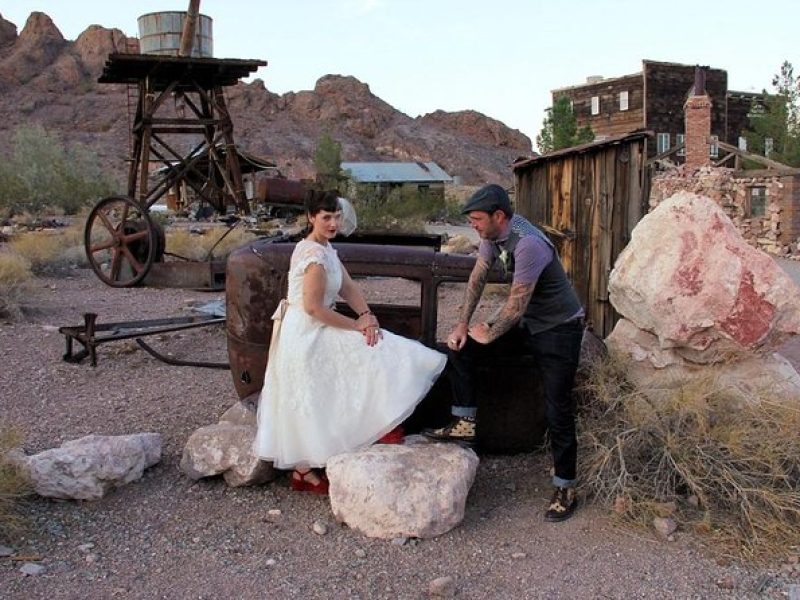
(122, 241)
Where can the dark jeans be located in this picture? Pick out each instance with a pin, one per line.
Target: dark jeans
(556, 353)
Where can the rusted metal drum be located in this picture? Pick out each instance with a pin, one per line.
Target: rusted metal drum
(280, 191)
(160, 33)
(510, 409)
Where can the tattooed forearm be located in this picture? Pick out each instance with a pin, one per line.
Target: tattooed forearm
(475, 285)
(518, 298)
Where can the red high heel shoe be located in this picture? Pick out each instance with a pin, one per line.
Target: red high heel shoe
(299, 482)
(395, 436)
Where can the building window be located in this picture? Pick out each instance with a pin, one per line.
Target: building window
(769, 146)
(595, 105)
(743, 143)
(623, 100)
(662, 143)
(758, 201)
(680, 138)
(713, 147)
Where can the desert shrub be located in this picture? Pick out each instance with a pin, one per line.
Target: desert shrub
(193, 246)
(402, 210)
(41, 172)
(726, 467)
(15, 275)
(13, 484)
(51, 253)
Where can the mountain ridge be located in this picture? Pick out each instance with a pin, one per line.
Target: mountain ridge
(51, 81)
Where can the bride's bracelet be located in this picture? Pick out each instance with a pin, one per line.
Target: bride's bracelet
(365, 312)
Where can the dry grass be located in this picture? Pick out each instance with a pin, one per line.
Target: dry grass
(13, 485)
(15, 276)
(197, 246)
(728, 469)
(52, 252)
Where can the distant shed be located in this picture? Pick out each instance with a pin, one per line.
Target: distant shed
(426, 178)
(588, 198)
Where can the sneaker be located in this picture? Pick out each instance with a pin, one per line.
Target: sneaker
(563, 504)
(461, 430)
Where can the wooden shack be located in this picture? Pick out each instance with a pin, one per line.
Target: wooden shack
(588, 198)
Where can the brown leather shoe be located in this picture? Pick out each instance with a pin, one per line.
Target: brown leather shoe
(461, 431)
(562, 506)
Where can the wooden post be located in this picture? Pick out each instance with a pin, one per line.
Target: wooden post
(189, 28)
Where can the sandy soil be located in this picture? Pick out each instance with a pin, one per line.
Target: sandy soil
(168, 537)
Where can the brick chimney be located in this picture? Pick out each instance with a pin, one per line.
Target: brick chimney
(697, 115)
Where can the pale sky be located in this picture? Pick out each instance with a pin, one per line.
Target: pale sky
(499, 57)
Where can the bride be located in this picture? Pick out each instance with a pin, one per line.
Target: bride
(333, 384)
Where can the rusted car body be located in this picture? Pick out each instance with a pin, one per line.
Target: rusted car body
(511, 413)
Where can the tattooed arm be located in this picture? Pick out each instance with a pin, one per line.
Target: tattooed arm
(475, 285)
(518, 298)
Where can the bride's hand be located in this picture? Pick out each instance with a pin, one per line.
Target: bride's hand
(372, 335)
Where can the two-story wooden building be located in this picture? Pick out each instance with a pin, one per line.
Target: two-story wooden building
(653, 99)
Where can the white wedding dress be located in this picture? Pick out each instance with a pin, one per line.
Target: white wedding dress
(325, 390)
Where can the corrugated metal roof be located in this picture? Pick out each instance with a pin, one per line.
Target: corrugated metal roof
(396, 172)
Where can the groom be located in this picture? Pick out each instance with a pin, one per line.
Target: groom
(541, 317)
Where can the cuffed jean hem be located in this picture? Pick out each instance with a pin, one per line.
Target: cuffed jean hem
(563, 483)
(464, 411)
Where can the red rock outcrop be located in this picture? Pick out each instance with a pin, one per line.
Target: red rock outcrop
(8, 32)
(38, 46)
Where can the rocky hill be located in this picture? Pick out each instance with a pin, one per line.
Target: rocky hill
(51, 81)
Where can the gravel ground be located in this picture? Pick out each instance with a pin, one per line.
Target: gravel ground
(168, 537)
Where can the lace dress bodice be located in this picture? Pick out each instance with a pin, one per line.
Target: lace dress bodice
(307, 252)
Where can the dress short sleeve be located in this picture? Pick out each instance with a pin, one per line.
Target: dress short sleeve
(306, 255)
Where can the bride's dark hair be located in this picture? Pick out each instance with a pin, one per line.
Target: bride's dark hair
(317, 200)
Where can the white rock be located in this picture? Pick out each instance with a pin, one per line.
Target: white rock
(32, 569)
(243, 412)
(6, 551)
(442, 587)
(225, 448)
(665, 526)
(87, 468)
(390, 491)
(319, 528)
(274, 512)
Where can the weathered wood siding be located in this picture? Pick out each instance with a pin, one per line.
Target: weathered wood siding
(666, 88)
(594, 198)
(611, 121)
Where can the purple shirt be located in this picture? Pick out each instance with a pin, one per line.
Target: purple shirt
(531, 256)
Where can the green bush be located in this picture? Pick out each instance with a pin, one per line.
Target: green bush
(42, 173)
(403, 209)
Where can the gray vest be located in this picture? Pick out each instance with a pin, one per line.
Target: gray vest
(554, 300)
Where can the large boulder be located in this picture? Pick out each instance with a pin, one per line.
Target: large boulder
(698, 301)
(750, 375)
(417, 489)
(689, 278)
(226, 448)
(87, 468)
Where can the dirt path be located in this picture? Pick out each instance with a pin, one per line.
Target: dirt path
(166, 536)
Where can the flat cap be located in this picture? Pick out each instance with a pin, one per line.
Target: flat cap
(489, 198)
